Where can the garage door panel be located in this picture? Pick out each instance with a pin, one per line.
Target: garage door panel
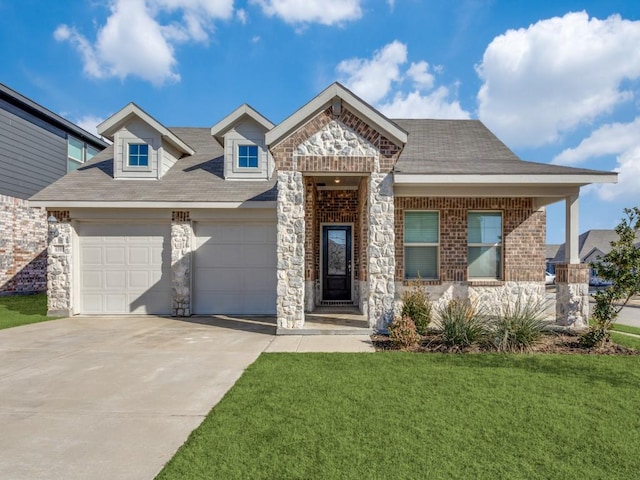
(115, 256)
(235, 268)
(139, 255)
(125, 268)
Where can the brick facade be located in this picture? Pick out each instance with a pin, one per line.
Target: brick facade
(23, 244)
(524, 231)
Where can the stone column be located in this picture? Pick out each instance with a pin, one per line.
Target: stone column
(59, 264)
(290, 250)
(381, 251)
(182, 240)
(572, 295)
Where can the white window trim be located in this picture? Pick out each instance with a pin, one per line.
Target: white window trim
(80, 161)
(421, 244)
(499, 245)
(150, 152)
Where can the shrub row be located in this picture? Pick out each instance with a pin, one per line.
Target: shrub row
(462, 323)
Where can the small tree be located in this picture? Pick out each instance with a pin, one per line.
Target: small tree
(621, 266)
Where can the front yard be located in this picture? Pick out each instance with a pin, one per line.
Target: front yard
(406, 415)
(23, 309)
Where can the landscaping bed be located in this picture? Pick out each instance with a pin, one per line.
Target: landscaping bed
(563, 343)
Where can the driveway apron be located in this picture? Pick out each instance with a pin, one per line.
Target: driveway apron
(114, 397)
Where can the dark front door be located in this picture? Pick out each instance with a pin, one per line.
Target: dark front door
(336, 262)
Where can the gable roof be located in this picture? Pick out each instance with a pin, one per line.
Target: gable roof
(193, 180)
(244, 110)
(115, 122)
(452, 149)
(590, 243)
(322, 101)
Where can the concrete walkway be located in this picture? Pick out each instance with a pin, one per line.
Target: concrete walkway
(115, 397)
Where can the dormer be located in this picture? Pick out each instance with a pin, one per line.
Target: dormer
(241, 134)
(142, 147)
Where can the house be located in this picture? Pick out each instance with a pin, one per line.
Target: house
(335, 205)
(37, 147)
(592, 246)
(551, 250)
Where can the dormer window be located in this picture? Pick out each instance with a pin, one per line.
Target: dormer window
(248, 156)
(138, 155)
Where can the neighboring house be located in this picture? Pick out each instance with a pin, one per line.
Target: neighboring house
(336, 205)
(551, 250)
(37, 147)
(593, 245)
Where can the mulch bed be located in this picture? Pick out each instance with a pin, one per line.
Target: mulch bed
(563, 343)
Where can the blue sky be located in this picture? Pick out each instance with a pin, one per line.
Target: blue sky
(557, 81)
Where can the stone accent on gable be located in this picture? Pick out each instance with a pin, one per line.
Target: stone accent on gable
(60, 263)
(289, 153)
(23, 247)
(335, 139)
(182, 244)
(290, 250)
(524, 236)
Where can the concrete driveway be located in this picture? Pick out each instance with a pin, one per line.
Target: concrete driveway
(114, 397)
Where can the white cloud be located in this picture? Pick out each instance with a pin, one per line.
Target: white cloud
(133, 42)
(89, 123)
(372, 78)
(436, 104)
(241, 13)
(547, 79)
(419, 73)
(628, 185)
(379, 81)
(609, 139)
(324, 12)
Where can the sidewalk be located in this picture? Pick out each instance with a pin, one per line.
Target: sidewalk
(320, 343)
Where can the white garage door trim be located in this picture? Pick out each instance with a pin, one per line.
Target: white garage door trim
(235, 268)
(124, 268)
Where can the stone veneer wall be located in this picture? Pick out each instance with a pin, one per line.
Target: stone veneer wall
(182, 244)
(290, 250)
(572, 295)
(23, 247)
(381, 252)
(59, 269)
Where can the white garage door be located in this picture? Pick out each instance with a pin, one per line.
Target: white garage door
(124, 268)
(235, 268)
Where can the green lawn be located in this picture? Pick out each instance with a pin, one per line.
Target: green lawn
(403, 415)
(23, 309)
(625, 328)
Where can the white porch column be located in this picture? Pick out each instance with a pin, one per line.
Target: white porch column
(571, 251)
(572, 278)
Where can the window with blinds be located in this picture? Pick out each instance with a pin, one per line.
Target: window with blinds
(484, 239)
(421, 244)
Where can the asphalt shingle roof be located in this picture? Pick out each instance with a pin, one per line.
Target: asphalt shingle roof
(433, 147)
(464, 147)
(195, 178)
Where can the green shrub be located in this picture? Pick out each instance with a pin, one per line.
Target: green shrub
(403, 333)
(416, 306)
(519, 327)
(461, 323)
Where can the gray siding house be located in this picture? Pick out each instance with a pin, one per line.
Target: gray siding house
(37, 147)
(336, 206)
